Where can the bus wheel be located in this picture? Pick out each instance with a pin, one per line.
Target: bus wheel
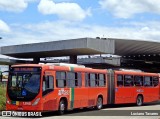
(99, 103)
(62, 107)
(139, 100)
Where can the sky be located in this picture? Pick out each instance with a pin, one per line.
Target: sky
(32, 21)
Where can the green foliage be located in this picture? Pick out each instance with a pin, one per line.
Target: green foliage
(2, 97)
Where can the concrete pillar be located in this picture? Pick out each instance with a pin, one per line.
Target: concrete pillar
(36, 60)
(73, 59)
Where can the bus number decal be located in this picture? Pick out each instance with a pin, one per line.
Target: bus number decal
(63, 92)
(140, 91)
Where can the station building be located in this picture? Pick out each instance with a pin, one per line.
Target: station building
(99, 53)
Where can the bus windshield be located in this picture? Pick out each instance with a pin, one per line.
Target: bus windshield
(23, 86)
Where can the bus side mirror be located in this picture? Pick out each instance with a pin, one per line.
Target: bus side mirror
(4, 76)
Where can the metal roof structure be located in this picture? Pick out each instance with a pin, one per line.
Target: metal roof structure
(7, 61)
(126, 47)
(113, 61)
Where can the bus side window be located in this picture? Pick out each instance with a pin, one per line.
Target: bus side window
(78, 78)
(70, 79)
(120, 81)
(155, 81)
(14, 81)
(92, 80)
(128, 80)
(60, 79)
(147, 81)
(138, 80)
(48, 84)
(102, 81)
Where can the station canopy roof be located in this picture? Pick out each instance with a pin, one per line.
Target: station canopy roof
(82, 46)
(125, 47)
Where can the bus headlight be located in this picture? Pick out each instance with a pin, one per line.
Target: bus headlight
(36, 101)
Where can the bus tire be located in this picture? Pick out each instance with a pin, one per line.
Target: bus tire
(139, 101)
(99, 103)
(62, 107)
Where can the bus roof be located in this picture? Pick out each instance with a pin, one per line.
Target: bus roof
(27, 65)
(135, 73)
(65, 67)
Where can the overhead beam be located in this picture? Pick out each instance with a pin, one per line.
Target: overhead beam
(82, 46)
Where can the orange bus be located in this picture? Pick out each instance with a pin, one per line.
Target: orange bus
(44, 87)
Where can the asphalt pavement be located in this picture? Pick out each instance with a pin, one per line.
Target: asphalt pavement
(127, 111)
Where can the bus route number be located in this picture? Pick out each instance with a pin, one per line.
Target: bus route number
(63, 92)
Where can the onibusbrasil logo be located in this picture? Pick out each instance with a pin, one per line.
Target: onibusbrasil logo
(21, 114)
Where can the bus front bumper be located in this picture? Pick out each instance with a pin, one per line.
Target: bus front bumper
(11, 107)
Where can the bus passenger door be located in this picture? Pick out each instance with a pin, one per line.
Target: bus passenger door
(119, 87)
(124, 90)
(77, 93)
(84, 89)
(129, 89)
(49, 100)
